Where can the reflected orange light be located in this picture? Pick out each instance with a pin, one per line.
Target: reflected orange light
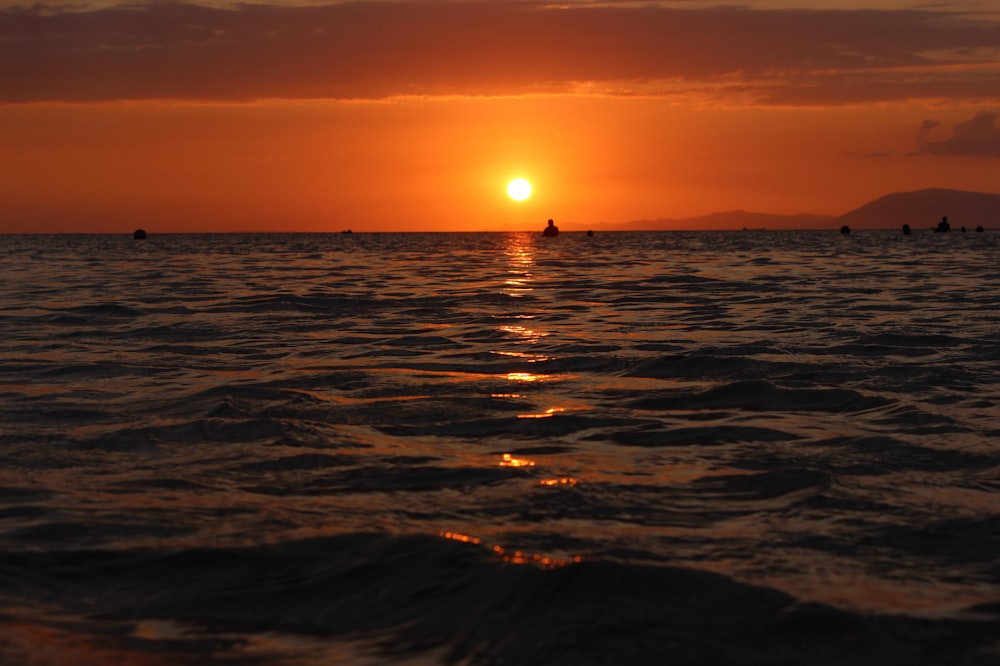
(520, 258)
(518, 286)
(544, 415)
(562, 481)
(457, 536)
(525, 377)
(516, 556)
(528, 334)
(520, 251)
(507, 460)
(531, 358)
(520, 557)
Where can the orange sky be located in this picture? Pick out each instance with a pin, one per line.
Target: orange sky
(415, 115)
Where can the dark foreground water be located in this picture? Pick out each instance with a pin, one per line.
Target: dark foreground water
(498, 449)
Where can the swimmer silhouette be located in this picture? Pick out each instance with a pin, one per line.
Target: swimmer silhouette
(845, 230)
(943, 227)
(906, 230)
(139, 234)
(551, 230)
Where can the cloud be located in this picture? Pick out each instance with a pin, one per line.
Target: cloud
(370, 50)
(978, 137)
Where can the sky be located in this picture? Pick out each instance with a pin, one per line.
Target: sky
(411, 115)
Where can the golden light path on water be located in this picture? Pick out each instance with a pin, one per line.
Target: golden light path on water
(520, 283)
(520, 255)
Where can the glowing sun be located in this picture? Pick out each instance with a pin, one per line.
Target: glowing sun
(519, 189)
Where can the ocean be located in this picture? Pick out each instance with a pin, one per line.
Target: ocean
(757, 447)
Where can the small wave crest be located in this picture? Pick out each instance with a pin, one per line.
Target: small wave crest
(409, 595)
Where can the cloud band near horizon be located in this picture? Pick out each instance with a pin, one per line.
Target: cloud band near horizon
(377, 50)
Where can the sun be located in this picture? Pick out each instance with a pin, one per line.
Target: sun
(519, 189)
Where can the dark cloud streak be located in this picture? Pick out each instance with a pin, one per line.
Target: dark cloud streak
(978, 137)
(380, 49)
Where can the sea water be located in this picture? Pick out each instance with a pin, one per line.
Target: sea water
(496, 448)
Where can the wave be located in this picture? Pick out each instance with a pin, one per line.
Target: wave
(763, 396)
(237, 449)
(462, 603)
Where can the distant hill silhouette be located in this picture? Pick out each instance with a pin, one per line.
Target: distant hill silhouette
(924, 208)
(736, 219)
(919, 209)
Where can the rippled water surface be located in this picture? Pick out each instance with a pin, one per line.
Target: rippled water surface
(632, 448)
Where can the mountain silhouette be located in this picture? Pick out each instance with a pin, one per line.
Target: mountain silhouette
(736, 219)
(924, 209)
(919, 209)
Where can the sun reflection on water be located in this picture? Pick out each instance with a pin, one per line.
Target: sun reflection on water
(520, 251)
(520, 259)
(514, 556)
(507, 460)
(457, 536)
(518, 283)
(523, 332)
(525, 377)
(543, 415)
(518, 286)
(560, 481)
(530, 358)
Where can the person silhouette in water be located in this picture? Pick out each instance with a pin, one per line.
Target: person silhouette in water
(943, 227)
(551, 230)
